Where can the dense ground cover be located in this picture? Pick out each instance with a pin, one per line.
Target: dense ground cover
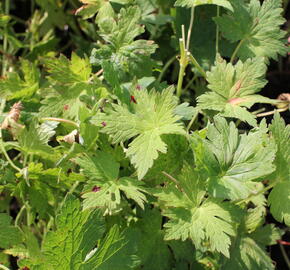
(144, 134)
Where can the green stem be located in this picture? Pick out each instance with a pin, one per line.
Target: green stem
(217, 32)
(272, 112)
(166, 66)
(197, 65)
(5, 40)
(190, 82)
(175, 181)
(285, 256)
(258, 193)
(28, 215)
(25, 160)
(190, 29)
(237, 50)
(183, 64)
(60, 120)
(180, 80)
(19, 216)
(192, 120)
(2, 147)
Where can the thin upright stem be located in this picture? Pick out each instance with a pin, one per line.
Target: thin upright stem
(192, 120)
(237, 50)
(183, 64)
(5, 40)
(217, 32)
(190, 28)
(166, 66)
(190, 82)
(285, 256)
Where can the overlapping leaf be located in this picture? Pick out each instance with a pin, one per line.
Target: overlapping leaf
(153, 249)
(34, 139)
(91, 7)
(105, 186)
(234, 87)
(9, 235)
(123, 52)
(256, 27)
(72, 245)
(153, 116)
(233, 161)
(69, 80)
(20, 87)
(279, 198)
(191, 216)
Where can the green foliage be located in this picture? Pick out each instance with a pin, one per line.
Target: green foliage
(232, 161)
(256, 27)
(103, 172)
(152, 117)
(9, 235)
(125, 54)
(194, 3)
(34, 140)
(104, 166)
(17, 87)
(233, 88)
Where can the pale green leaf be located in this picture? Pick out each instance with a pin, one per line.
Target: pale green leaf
(234, 87)
(210, 222)
(191, 216)
(279, 201)
(109, 196)
(152, 116)
(101, 166)
(34, 139)
(279, 198)
(233, 161)
(65, 71)
(281, 135)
